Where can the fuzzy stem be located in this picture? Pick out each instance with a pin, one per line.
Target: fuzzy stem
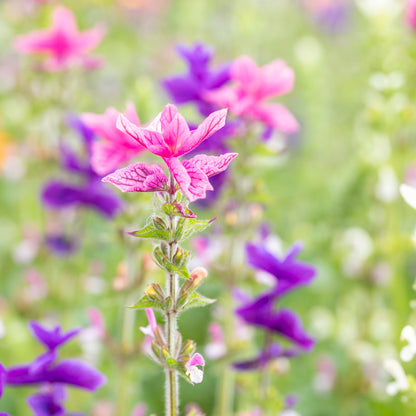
(171, 404)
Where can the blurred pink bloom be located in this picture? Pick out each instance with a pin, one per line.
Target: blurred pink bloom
(216, 347)
(139, 410)
(192, 368)
(252, 86)
(169, 137)
(62, 42)
(411, 13)
(97, 321)
(115, 147)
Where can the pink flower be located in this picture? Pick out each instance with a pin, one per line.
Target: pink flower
(192, 368)
(411, 13)
(216, 348)
(169, 137)
(62, 42)
(252, 86)
(115, 147)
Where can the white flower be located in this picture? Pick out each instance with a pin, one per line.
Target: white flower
(408, 334)
(192, 371)
(400, 382)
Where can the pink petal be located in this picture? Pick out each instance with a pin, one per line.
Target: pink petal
(63, 20)
(245, 71)
(108, 156)
(216, 332)
(209, 126)
(277, 116)
(197, 359)
(210, 165)
(175, 133)
(149, 139)
(90, 39)
(276, 79)
(168, 114)
(192, 181)
(223, 97)
(138, 178)
(151, 318)
(34, 42)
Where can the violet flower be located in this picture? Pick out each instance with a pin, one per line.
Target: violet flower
(91, 193)
(199, 78)
(50, 374)
(289, 274)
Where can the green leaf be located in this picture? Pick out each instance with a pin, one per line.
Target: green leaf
(150, 231)
(196, 299)
(193, 226)
(145, 302)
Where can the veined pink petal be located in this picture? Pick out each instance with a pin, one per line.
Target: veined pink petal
(245, 72)
(276, 79)
(277, 116)
(167, 115)
(138, 178)
(175, 133)
(210, 165)
(209, 126)
(193, 181)
(149, 139)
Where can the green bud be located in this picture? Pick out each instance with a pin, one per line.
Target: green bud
(178, 257)
(156, 350)
(159, 223)
(164, 247)
(180, 226)
(182, 299)
(168, 303)
(155, 292)
(165, 353)
(188, 347)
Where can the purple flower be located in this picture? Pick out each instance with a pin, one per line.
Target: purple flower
(284, 322)
(90, 193)
(199, 78)
(50, 374)
(60, 244)
(269, 353)
(289, 272)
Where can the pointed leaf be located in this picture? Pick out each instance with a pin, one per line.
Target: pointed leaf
(196, 300)
(150, 231)
(145, 302)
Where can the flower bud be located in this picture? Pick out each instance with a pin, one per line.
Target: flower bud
(182, 299)
(159, 223)
(188, 347)
(156, 350)
(164, 247)
(178, 257)
(155, 292)
(168, 303)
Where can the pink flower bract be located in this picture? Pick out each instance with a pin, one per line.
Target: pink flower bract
(252, 86)
(169, 137)
(62, 42)
(115, 147)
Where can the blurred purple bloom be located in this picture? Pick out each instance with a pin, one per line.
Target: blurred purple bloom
(91, 193)
(265, 356)
(51, 374)
(199, 78)
(289, 272)
(60, 244)
(52, 338)
(285, 322)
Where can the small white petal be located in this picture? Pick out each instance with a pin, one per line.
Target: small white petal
(195, 374)
(407, 353)
(409, 194)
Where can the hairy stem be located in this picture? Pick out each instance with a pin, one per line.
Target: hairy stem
(171, 404)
